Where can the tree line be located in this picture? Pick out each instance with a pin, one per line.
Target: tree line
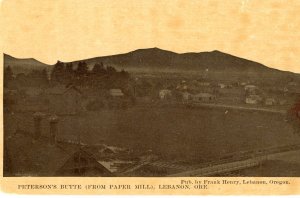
(66, 73)
(81, 75)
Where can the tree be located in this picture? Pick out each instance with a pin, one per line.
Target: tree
(58, 72)
(82, 69)
(8, 76)
(69, 73)
(111, 70)
(124, 74)
(37, 78)
(294, 117)
(69, 68)
(99, 69)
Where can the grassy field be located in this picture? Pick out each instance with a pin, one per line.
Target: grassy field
(172, 133)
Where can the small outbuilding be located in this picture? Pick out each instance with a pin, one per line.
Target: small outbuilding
(270, 101)
(203, 97)
(116, 93)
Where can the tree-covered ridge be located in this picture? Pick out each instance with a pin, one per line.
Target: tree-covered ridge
(99, 75)
(65, 73)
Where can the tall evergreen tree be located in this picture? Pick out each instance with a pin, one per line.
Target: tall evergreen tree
(111, 70)
(58, 72)
(8, 75)
(82, 69)
(69, 68)
(99, 69)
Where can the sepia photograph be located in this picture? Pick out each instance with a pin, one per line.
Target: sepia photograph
(155, 89)
(150, 112)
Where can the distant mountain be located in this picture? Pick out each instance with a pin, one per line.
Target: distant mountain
(23, 65)
(157, 59)
(162, 59)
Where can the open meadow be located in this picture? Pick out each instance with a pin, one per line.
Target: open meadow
(173, 133)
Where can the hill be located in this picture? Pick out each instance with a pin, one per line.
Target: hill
(155, 59)
(23, 65)
(221, 66)
(162, 59)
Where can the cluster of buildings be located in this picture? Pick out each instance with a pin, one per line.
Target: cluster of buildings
(255, 96)
(240, 93)
(190, 93)
(61, 100)
(187, 97)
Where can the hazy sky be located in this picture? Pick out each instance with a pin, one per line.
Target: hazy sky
(48, 30)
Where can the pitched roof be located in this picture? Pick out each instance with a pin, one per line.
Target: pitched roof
(116, 92)
(34, 157)
(37, 157)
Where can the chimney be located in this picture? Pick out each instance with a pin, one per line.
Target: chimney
(37, 117)
(53, 120)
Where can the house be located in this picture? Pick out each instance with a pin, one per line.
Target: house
(270, 101)
(117, 99)
(28, 156)
(253, 99)
(203, 97)
(165, 94)
(182, 87)
(222, 86)
(64, 100)
(186, 96)
(204, 84)
(82, 163)
(116, 93)
(251, 89)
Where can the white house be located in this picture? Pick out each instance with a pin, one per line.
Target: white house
(250, 87)
(165, 94)
(253, 99)
(270, 101)
(186, 96)
(221, 85)
(116, 93)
